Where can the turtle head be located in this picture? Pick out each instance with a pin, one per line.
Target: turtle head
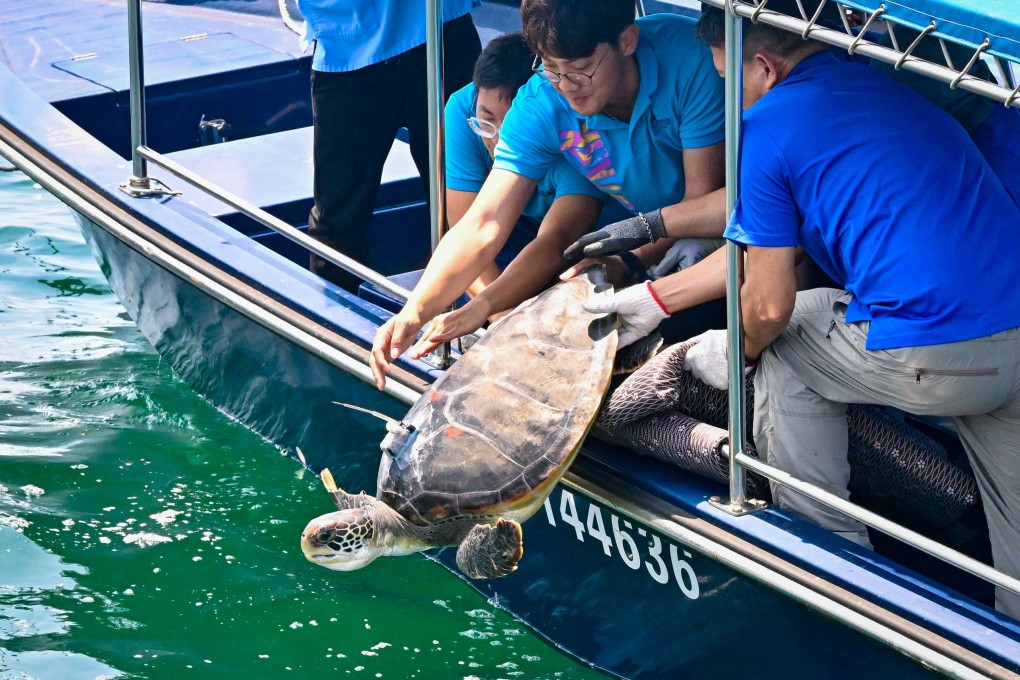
(344, 540)
(354, 536)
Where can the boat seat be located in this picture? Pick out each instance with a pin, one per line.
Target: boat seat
(274, 172)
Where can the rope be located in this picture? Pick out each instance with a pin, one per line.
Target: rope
(290, 22)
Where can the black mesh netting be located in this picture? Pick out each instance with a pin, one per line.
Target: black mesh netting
(662, 411)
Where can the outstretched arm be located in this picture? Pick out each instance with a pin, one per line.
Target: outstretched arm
(533, 268)
(463, 253)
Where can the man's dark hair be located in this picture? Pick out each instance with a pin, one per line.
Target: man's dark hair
(571, 29)
(504, 65)
(758, 37)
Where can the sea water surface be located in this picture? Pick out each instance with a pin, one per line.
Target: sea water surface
(144, 534)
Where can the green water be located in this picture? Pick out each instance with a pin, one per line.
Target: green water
(144, 534)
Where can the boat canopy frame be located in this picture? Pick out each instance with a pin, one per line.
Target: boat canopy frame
(924, 16)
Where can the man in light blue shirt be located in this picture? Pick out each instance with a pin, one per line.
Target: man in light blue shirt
(565, 204)
(368, 81)
(636, 107)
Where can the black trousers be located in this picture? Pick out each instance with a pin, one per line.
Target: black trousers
(356, 115)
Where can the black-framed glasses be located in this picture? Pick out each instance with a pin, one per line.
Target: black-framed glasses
(581, 79)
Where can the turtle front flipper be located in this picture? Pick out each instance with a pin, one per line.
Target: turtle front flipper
(491, 551)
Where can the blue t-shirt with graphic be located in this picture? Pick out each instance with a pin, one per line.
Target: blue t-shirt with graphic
(468, 161)
(841, 160)
(352, 34)
(680, 105)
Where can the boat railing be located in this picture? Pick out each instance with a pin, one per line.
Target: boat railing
(140, 184)
(271, 221)
(1004, 91)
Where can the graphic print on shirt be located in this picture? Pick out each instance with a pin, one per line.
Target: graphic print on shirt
(588, 152)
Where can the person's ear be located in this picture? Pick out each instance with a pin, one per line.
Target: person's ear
(628, 40)
(768, 68)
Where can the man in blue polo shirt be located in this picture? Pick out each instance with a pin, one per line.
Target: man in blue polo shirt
(928, 320)
(368, 81)
(635, 106)
(564, 206)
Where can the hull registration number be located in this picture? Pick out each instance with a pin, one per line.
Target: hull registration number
(637, 548)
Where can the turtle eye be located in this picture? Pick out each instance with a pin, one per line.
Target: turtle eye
(324, 535)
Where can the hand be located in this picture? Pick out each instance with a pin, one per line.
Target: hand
(686, 252)
(450, 326)
(392, 338)
(706, 360)
(627, 234)
(616, 271)
(639, 309)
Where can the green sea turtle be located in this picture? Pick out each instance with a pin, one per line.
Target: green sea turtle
(482, 449)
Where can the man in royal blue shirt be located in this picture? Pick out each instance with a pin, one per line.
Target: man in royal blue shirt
(636, 107)
(368, 81)
(927, 321)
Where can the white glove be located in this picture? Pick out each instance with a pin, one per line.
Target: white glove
(706, 360)
(640, 311)
(685, 253)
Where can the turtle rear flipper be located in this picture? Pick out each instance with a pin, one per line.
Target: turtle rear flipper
(491, 551)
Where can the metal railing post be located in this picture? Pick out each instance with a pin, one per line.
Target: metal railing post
(437, 142)
(737, 503)
(437, 138)
(139, 184)
(137, 92)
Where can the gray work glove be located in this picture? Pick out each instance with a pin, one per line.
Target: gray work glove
(685, 253)
(627, 234)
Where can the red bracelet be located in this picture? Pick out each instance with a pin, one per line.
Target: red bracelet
(651, 291)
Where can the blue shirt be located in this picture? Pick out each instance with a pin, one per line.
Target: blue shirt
(889, 195)
(352, 34)
(998, 138)
(680, 105)
(468, 161)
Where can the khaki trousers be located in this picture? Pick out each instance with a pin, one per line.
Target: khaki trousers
(819, 365)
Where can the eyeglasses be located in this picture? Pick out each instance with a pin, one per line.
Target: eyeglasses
(582, 79)
(483, 128)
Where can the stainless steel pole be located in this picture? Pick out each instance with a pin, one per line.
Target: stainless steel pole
(437, 137)
(437, 99)
(737, 502)
(137, 94)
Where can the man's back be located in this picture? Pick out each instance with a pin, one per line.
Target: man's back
(889, 195)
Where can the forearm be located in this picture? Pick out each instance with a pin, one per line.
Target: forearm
(471, 245)
(462, 255)
(542, 260)
(759, 331)
(699, 217)
(537, 264)
(768, 296)
(695, 285)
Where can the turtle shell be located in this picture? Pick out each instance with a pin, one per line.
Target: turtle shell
(496, 432)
